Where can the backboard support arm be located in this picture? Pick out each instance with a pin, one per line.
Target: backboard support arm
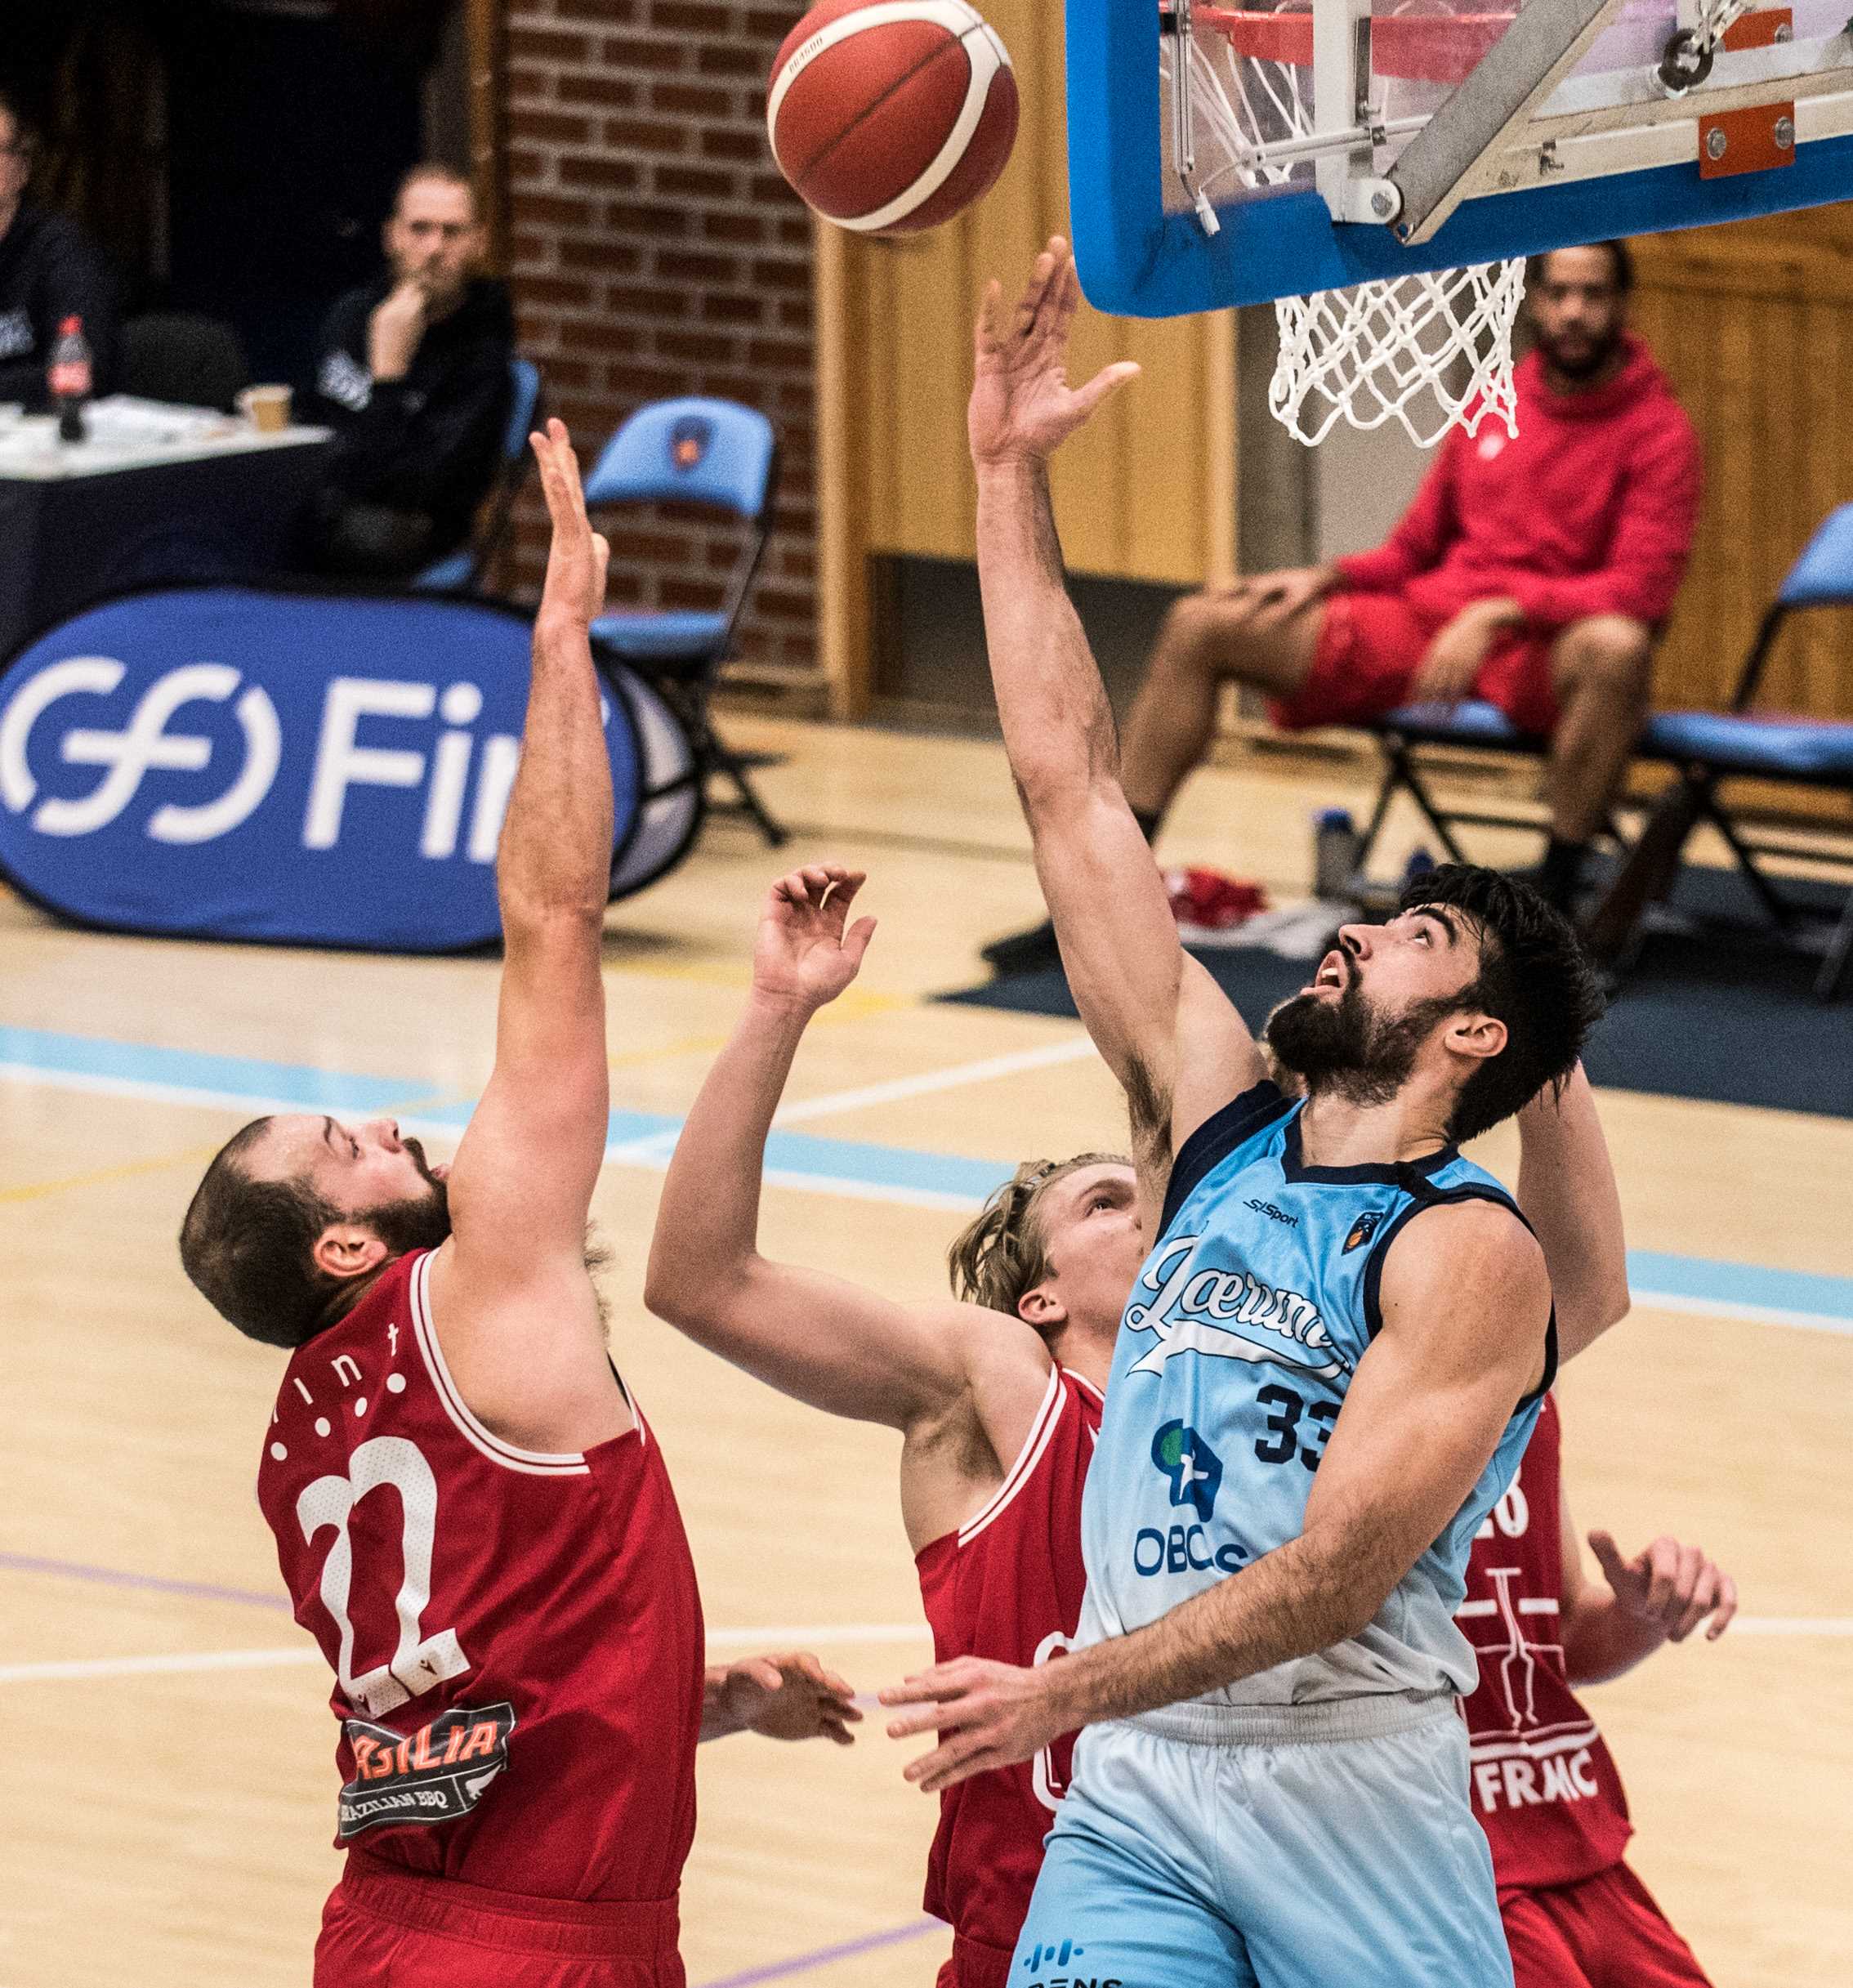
(1444, 163)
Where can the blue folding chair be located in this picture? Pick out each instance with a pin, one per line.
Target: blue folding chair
(461, 572)
(1711, 747)
(721, 457)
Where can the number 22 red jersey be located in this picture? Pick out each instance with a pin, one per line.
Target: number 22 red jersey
(1544, 1788)
(1008, 1585)
(516, 1636)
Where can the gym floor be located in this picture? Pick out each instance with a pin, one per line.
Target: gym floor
(171, 1796)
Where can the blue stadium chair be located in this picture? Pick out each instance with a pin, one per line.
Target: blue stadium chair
(1710, 747)
(721, 457)
(461, 572)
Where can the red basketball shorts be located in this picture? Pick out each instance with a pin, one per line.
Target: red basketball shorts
(383, 1927)
(1604, 1933)
(1370, 647)
(974, 1964)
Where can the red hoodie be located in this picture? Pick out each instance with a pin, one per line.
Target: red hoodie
(1590, 510)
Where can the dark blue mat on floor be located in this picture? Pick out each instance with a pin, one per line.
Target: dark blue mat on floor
(1715, 1011)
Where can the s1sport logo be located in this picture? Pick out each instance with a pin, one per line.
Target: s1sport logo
(317, 769)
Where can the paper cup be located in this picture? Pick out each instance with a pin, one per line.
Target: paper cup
(265, 408)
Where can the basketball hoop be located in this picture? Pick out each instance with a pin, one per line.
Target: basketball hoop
(1426, 350)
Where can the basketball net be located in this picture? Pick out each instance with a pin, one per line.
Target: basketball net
(1427, 351)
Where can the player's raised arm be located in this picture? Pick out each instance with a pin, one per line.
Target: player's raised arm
(515, 1307)
(1462, 1340)
(840, 1347)
(1167, 1031)
(1566, 1187)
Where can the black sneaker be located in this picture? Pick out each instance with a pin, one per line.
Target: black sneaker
(1034, 951)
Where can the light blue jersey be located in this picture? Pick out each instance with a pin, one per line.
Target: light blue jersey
(1237, 1347)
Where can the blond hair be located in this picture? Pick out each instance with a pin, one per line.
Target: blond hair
(1002, 1252)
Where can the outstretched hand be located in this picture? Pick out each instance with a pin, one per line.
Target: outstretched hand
(802, 953)
(576, 558)
(1022, 407)
(985, 1714)
(786, 1697)
(1671, 1586)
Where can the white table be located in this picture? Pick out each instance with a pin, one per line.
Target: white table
(125, 433)
(155, 493)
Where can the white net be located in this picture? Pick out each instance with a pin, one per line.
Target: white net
(1425, 351)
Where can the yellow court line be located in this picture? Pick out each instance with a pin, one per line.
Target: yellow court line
(738, 975)
(100, 1176)
(847, 1007)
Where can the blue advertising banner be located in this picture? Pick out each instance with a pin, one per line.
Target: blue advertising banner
(324, 770)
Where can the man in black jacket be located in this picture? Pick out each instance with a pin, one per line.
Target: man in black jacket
(48, 272)
(413, 378)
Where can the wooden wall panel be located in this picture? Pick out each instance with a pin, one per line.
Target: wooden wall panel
(1147, 492)
(1754, 326)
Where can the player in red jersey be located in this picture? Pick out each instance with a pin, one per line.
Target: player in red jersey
(1544, 1787)
(471, 1516)
(996, 1395)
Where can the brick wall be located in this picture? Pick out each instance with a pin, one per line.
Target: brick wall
(654, 250)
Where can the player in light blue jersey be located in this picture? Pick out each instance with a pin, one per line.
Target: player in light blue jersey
(1328, 1368)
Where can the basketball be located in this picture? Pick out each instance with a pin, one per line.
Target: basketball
(891, 118)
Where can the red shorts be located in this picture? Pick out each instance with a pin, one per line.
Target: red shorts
(975, 1965)
(1604, 1933)
(383, 1925)
(1370, 647)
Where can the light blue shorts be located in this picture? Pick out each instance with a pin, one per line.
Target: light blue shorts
(1298, 1846)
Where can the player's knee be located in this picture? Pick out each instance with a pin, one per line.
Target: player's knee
(1611, 654)
(1192, 628)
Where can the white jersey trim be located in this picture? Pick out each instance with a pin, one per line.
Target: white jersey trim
(535, 1462)
(1536, 1745)
(1019, 1474)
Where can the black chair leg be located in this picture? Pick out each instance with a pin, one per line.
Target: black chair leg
(1781, 912)
(722, 761)
(1839, 956)
(1386, 793)
(1432, 815)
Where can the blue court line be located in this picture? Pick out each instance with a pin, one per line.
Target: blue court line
(841, 1166)
(209, 1079)
(1754, 1287)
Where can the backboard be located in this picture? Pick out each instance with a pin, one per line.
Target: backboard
(1224, 155)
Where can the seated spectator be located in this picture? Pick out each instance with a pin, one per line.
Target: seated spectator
(1534, 573)
(48, 272)
(414, 378)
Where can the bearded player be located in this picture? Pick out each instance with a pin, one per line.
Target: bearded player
(471, 1516)
(996, 1393)
(996, 1398)
(1332, 1358)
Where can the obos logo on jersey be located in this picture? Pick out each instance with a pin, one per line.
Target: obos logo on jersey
(222, 762)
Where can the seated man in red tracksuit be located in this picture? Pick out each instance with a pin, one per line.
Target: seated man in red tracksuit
(1532, 572)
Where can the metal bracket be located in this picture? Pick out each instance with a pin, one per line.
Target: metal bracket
(1184, 117)
(1446, 162)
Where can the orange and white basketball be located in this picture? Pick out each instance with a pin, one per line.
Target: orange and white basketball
(890, 116)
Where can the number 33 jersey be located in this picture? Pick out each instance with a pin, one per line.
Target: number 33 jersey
(515, 1636)
(1235, 1351)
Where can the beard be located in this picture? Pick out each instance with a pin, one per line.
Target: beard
(1583, 362)
(1345, 1048)
(417, 1222)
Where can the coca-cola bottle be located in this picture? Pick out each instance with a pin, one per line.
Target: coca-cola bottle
(69, 379)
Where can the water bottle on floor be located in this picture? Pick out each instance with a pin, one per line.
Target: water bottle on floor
(1335, 843)
(69, 377)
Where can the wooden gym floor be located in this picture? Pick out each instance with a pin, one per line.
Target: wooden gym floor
(170, 1792)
